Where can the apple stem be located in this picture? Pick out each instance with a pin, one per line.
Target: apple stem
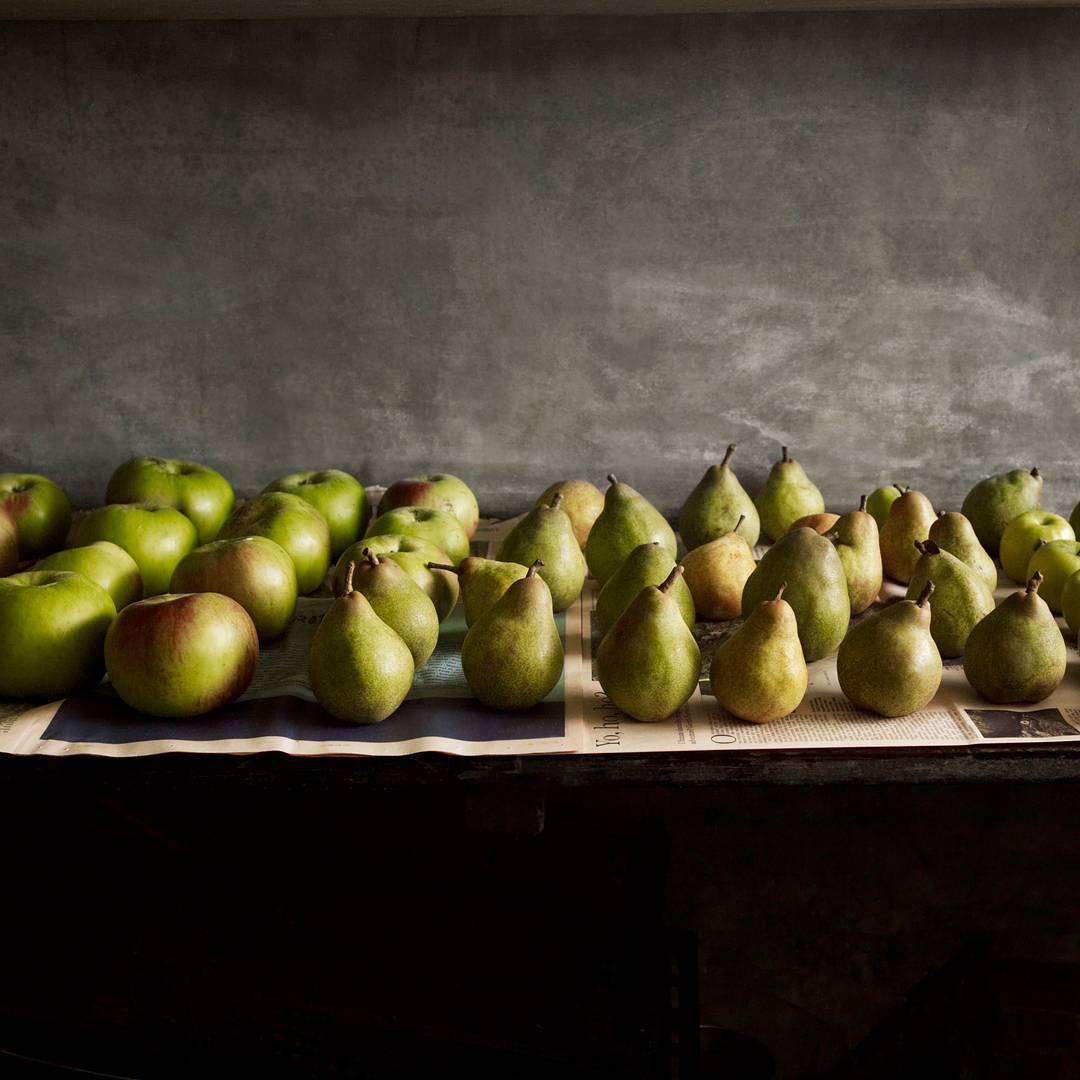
(784, 454)
(534, 568)
(1034, 583)
(670, 579)
(928, 588)
(443, 566)
(350, 570)
(727, 455)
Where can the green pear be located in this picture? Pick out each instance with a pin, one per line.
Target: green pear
(1057, 561)
(910, 518)
(877, 505)
(547, 534)
(889, 663)
(1022, 538)
(992, 503)
(512, 655)
(627, 520)
(649, 663)
(1017, 653)
(855, 537)
(360, 670)
(483, 582)
(759, 673)
(816, 589)
(952, 532)
(716, 505)
(716, 573)
(787, 496)
(647, 564)
(399, 602)
(960, 599)
(582, 503)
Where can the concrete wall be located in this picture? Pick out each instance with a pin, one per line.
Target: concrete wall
(524, 249)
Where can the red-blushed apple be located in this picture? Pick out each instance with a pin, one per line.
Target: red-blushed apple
(200, 493)
(438, 527)
(52, 631)
(412, 554)
(294, 524)
(156, 537)
(41, 511)
(105, 563)
(434, 491)
(339, 497)
(181, 655)
(9, 542)
(257, 573)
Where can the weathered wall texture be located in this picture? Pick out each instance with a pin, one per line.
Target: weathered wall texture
(522, 249)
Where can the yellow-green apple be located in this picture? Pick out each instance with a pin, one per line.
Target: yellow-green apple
(339, 497)
(105, 563)
(52, 631)
(197, 491)
(435, 491)
(412, 554)
(581, 503)
(438, 527)
(257, 573)
(9, 542)
(1057, 561)
(294, 524)
(879, 501)
(156, 537)
(41, 511)
(181, 655)
(1022, 536)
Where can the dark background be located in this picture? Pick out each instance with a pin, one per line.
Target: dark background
(520, 249)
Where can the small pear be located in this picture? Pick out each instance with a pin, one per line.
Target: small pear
(952, 532)
(582, 503)
(787, 496)
(512, 655)
(546, 534)
(647, 564)
(483, 582)
(992, 503)
(820, 523)
(889, 663)
(759, 673)
(716, 573)
(649, 663)
(910, 518)
(1017, 653)
(816, 589)
(712, 509)
(960, 599)
(359, 669)
(855, 537)
(627, 520)
(877, 506)
(400, 603)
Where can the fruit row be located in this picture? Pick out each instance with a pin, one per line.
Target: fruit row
(171, 586)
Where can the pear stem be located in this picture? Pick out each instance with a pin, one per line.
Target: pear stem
(942, 513)
(780, 592)
(928, 588)
(443, 566)
(727, 455)
(611, 479)
(738, 524)
(534, 568)
(671, 578)
(371, 557)
(1035, 472)
(349, 571)
(900, 487)
(784, 454)
(556, 502)
(1034, 583)
(862, 503)
(927, 547)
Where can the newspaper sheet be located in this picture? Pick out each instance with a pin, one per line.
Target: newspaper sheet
(279, 712)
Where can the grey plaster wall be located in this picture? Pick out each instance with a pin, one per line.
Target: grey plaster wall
(524, 249)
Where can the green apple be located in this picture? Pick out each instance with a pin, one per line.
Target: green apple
(197, 491)
(434, 491)
(294, 524)
(181, 655)
(156, 537)
(257, 573)
(52, 630)
(41, 511)
(412, 554)
(9, 542)
(105, 563)
(339, 497)
(1021, 537)
(438, 527)
(879, 501)
(1057, 561)
(1070, 602)
(1074, 517)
